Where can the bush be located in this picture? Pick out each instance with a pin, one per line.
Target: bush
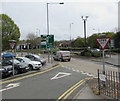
(88, 53)
(96, 54)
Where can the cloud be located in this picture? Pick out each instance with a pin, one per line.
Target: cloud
(32, 15)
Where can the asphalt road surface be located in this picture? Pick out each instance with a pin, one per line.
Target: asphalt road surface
(51, 84)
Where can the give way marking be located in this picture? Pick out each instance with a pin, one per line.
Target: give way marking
(10, 86)
(60, 75)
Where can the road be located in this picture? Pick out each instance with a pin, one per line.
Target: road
(50, 84)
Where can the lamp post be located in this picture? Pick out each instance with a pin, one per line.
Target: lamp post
(39, 35)
(48, 24)
(70, 35)
(85, 19)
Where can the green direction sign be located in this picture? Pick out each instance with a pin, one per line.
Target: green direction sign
(47, 41)
(43, 43)
(50, 43)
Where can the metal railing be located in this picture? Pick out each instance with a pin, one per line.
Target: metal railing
(111, 85)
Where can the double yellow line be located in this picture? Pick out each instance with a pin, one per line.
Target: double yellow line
(69, 91)
(27, 76)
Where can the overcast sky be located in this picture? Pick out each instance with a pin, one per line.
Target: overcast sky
(30, 16)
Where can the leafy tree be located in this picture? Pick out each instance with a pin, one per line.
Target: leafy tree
(10, 31)
(79, 42)
(91, 41)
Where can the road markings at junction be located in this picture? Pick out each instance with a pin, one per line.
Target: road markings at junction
(60, 75)
(76, 70)
(10, 86)
(30, 75)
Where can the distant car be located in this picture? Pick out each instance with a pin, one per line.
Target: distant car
(35, 57)
(62, 56)
(95, 50)
(32, 64)
(18, 67)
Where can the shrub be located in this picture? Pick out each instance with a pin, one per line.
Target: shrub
(96, 54)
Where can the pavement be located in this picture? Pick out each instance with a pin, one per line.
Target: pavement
(86, 93)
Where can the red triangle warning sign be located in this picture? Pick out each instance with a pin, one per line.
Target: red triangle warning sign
(103, 41)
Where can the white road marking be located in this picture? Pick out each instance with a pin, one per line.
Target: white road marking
(60, 75)
(10, 86)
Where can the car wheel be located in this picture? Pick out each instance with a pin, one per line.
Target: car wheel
(15, 71)
(68, 59)
(61, 60)
(30, 67)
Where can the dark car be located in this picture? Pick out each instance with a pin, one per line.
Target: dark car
(18, 67)
(5, 71)
(35, 57)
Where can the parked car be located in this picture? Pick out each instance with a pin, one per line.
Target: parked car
(62, 56)
(18, 67)
(32, 64)
(35, 57)
(5, 71)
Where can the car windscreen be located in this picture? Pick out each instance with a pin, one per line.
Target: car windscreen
(15, 61)
(26, 59)
(36, 56)
(65, 53)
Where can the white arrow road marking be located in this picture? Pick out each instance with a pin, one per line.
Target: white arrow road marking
(10, 86)
(60, 75)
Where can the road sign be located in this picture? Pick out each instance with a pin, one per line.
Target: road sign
(103, 41)
(50, 41)
(12, 43)
(47, 41)
(43, 43)
(102, 77)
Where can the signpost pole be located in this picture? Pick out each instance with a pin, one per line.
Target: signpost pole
(103, 62)
(12, 44)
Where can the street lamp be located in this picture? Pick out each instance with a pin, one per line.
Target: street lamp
(85, 19)
(48, 24)
(70, 34)
(48, 16)
(39, 35)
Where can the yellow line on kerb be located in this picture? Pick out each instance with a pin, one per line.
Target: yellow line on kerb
(72, 89)
(27, 76)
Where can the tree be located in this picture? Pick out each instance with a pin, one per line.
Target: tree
(117, 40)
(33, 40)
(10, 31)
(79, 42)
(91, 41)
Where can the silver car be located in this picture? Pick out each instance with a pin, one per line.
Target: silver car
(32, 64)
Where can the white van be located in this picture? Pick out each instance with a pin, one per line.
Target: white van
(62, 56)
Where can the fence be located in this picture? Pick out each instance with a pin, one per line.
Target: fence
(109, 83)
